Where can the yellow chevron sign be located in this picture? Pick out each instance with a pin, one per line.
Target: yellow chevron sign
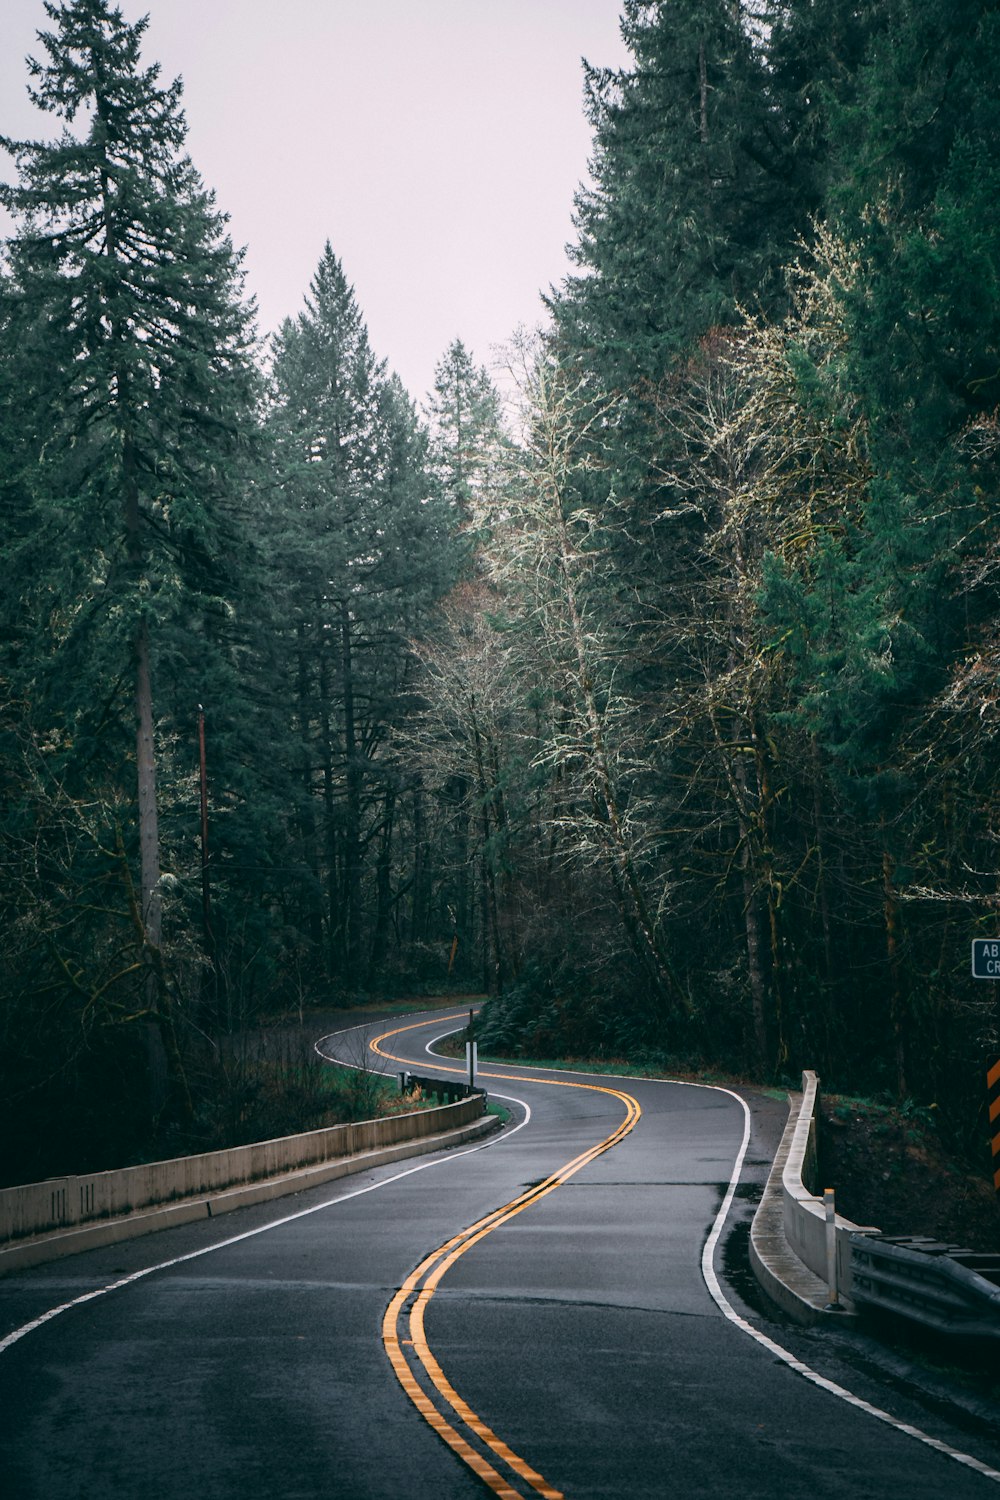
(993, 1098)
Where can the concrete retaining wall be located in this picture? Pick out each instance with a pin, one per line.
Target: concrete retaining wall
(65, 1202)
(803, 1212)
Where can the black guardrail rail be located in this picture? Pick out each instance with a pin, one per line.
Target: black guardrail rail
(941, 1286)
(445, 1090)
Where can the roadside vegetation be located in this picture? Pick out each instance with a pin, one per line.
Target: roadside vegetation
(893, 1168)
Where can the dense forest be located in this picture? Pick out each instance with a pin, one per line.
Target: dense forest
(651, 687)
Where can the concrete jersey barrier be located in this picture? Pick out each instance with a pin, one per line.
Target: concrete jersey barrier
(62, 1203)
(803, 1211)
(788, 1237)
(938, 1285)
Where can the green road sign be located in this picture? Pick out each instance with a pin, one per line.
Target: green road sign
(986, 958)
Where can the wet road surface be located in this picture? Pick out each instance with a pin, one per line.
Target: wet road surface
(544, 1299)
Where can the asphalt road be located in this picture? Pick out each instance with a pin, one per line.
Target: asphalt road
(529, 1317)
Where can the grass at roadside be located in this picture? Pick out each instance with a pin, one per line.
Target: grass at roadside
(348, 1012)
(607, 1066)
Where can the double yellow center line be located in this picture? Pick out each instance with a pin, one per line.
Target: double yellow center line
(405, 1313)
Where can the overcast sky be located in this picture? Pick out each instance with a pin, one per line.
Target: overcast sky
(436, 143)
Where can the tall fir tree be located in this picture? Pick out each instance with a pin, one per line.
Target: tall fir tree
(915, 150)
(814, 55)
(360, 537)
(691, 209)
(467, 439)
(135, 397)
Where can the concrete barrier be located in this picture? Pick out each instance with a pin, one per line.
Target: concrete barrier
(803, 1210)
(940, 1286)
(70, 1209)
(803, 1207)
(788, 1236)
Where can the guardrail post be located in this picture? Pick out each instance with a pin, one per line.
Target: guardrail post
(830, 1209)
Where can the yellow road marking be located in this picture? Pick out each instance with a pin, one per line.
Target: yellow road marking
(425, 1279)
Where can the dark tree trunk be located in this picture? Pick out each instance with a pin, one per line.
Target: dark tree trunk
(307, 822)
(352, 814)
(383, 888)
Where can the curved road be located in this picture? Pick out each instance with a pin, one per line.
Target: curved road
(539, 1315)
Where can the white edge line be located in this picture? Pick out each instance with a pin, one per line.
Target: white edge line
(719, 1297)
(513, 1098)
(302, 1213)
(726, 1307)
(707, 1259)
(492, 1092)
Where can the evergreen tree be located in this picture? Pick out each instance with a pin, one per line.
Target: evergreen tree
(466, 430)
(691, 210)
(135, 392)
(325, 439)
(696, 204)
(814, 56)
(915, 153)
(360, 544)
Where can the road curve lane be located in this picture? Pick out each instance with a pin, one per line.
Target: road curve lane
(244, 1357)
(203, 1361)
(602, 1441)
(409, 1307)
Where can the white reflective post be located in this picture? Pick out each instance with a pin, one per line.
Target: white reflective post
(830, 1208)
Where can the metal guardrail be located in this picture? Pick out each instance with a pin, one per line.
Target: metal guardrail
(446, 1090)
(939, 1286)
